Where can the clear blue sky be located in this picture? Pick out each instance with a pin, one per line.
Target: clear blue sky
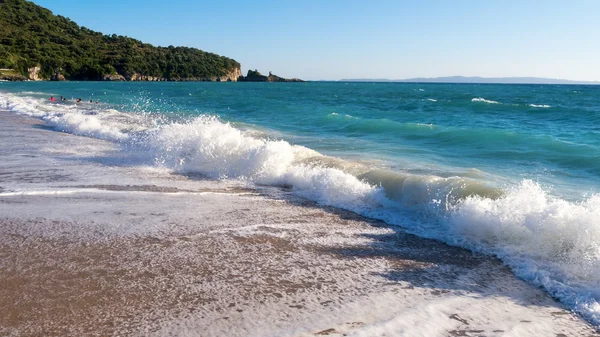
(320, 39)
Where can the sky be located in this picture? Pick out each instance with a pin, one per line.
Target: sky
(342, 39)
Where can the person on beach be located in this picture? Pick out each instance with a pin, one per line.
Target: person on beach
(78, 100)
(52, 99)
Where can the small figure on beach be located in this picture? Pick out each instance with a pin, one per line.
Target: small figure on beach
(78, 100)
(52, 99)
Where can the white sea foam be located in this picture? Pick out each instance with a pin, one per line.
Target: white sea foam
(540, 106)
(432, 100)
(78, 119)
(216, 149)
(483, 100)
(546, 240)
(345, 115)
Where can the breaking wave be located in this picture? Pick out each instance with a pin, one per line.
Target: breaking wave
(548, 241)
(483, 100)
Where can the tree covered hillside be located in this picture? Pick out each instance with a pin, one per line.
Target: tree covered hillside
(31, 35)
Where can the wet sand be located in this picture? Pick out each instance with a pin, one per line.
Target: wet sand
(95, 246)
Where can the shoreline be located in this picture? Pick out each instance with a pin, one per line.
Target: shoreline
(163, 254)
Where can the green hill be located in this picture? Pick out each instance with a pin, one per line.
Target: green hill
(32, 36)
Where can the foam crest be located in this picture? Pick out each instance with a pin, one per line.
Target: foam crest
(346, 116)
(548, 241)
(219, 150)
(78, 119)
(540, 106)
(483, 100)
(210, 147)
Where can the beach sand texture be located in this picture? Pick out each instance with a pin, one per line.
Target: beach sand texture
(94, 245)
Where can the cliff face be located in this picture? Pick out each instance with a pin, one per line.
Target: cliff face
(230, 76)
(34, 73)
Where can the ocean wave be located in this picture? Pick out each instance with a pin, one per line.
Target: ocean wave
(483, 100)
(335, 114)
(548, 241)
(79, 119)
(540, 106)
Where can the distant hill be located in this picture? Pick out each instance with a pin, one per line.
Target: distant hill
(476, 79)
(39, 44)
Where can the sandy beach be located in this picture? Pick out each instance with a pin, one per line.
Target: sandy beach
(95, 245)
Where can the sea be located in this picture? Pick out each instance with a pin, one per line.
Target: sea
(510, 171)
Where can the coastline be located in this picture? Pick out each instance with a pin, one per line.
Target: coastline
(162, 254)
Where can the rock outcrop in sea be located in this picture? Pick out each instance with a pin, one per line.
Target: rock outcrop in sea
(256, 76)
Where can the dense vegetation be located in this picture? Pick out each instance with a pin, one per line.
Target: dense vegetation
(31, 35)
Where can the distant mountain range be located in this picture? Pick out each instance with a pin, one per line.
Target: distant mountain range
(476, 79)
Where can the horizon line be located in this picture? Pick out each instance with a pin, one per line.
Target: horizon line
(475, 79)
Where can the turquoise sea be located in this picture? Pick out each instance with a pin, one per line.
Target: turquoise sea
(506, 170)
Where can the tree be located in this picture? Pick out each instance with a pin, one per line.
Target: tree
(30, 35)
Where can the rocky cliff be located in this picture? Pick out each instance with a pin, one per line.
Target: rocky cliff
(233, 75)
(34, 73)
(11, 75)
(230, 76)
